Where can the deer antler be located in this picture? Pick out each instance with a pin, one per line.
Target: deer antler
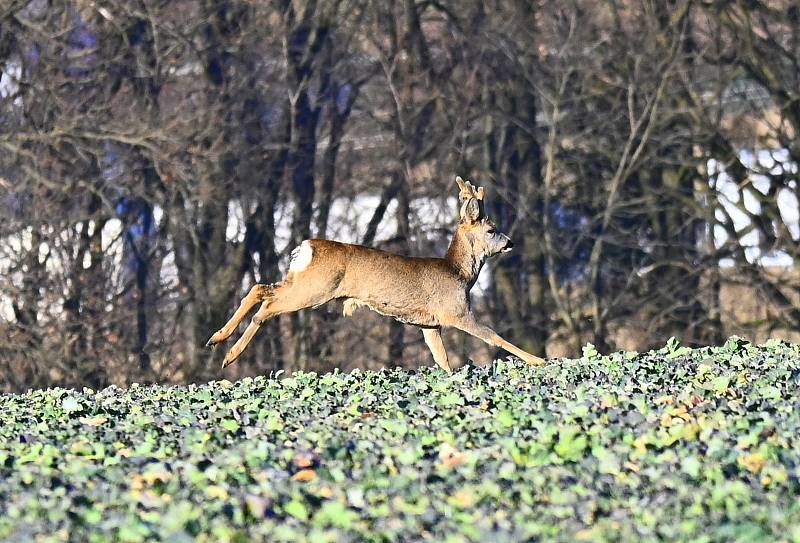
(467, 190)
(471, 200)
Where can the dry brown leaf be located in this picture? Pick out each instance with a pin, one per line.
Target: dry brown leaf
(141, 480)
(93, 421)
(305, 475)
(640, 444)
(463, 499)
(304, 460)
(695, 400)
(450, 456)
(753, 462)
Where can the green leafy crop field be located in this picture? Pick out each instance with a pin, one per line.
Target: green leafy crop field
(675, 444)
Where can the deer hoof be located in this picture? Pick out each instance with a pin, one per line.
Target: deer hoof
(213, 340)
(229, 359)
(535, 361)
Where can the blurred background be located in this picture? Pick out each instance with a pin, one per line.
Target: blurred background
(157, 158)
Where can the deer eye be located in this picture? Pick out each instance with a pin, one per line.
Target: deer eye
(490, 232)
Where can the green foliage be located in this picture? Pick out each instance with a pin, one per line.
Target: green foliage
(677, 444)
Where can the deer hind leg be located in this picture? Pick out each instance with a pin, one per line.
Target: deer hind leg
(471, 326)
(291, 295)
(433, 339)
(256, 295)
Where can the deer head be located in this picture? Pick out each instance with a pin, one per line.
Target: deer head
(476, 225)
(476, 237)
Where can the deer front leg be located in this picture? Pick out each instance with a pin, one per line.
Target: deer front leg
(469, 325)
(433, 339)
(255, 296)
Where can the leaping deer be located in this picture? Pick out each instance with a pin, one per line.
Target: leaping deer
(426, 292)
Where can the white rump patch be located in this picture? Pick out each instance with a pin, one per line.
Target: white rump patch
(301, 257)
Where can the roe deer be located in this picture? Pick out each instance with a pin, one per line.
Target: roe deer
(426, 292)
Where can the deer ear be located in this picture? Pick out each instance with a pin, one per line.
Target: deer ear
(463, 190)
(471, 210)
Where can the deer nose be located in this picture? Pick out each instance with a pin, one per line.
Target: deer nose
(509, 245)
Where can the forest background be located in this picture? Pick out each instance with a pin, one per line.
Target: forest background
(157, 158)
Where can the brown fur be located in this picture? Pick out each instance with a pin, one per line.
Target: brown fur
(421, 291)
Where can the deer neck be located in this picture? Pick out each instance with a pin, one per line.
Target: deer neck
(464, 258)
